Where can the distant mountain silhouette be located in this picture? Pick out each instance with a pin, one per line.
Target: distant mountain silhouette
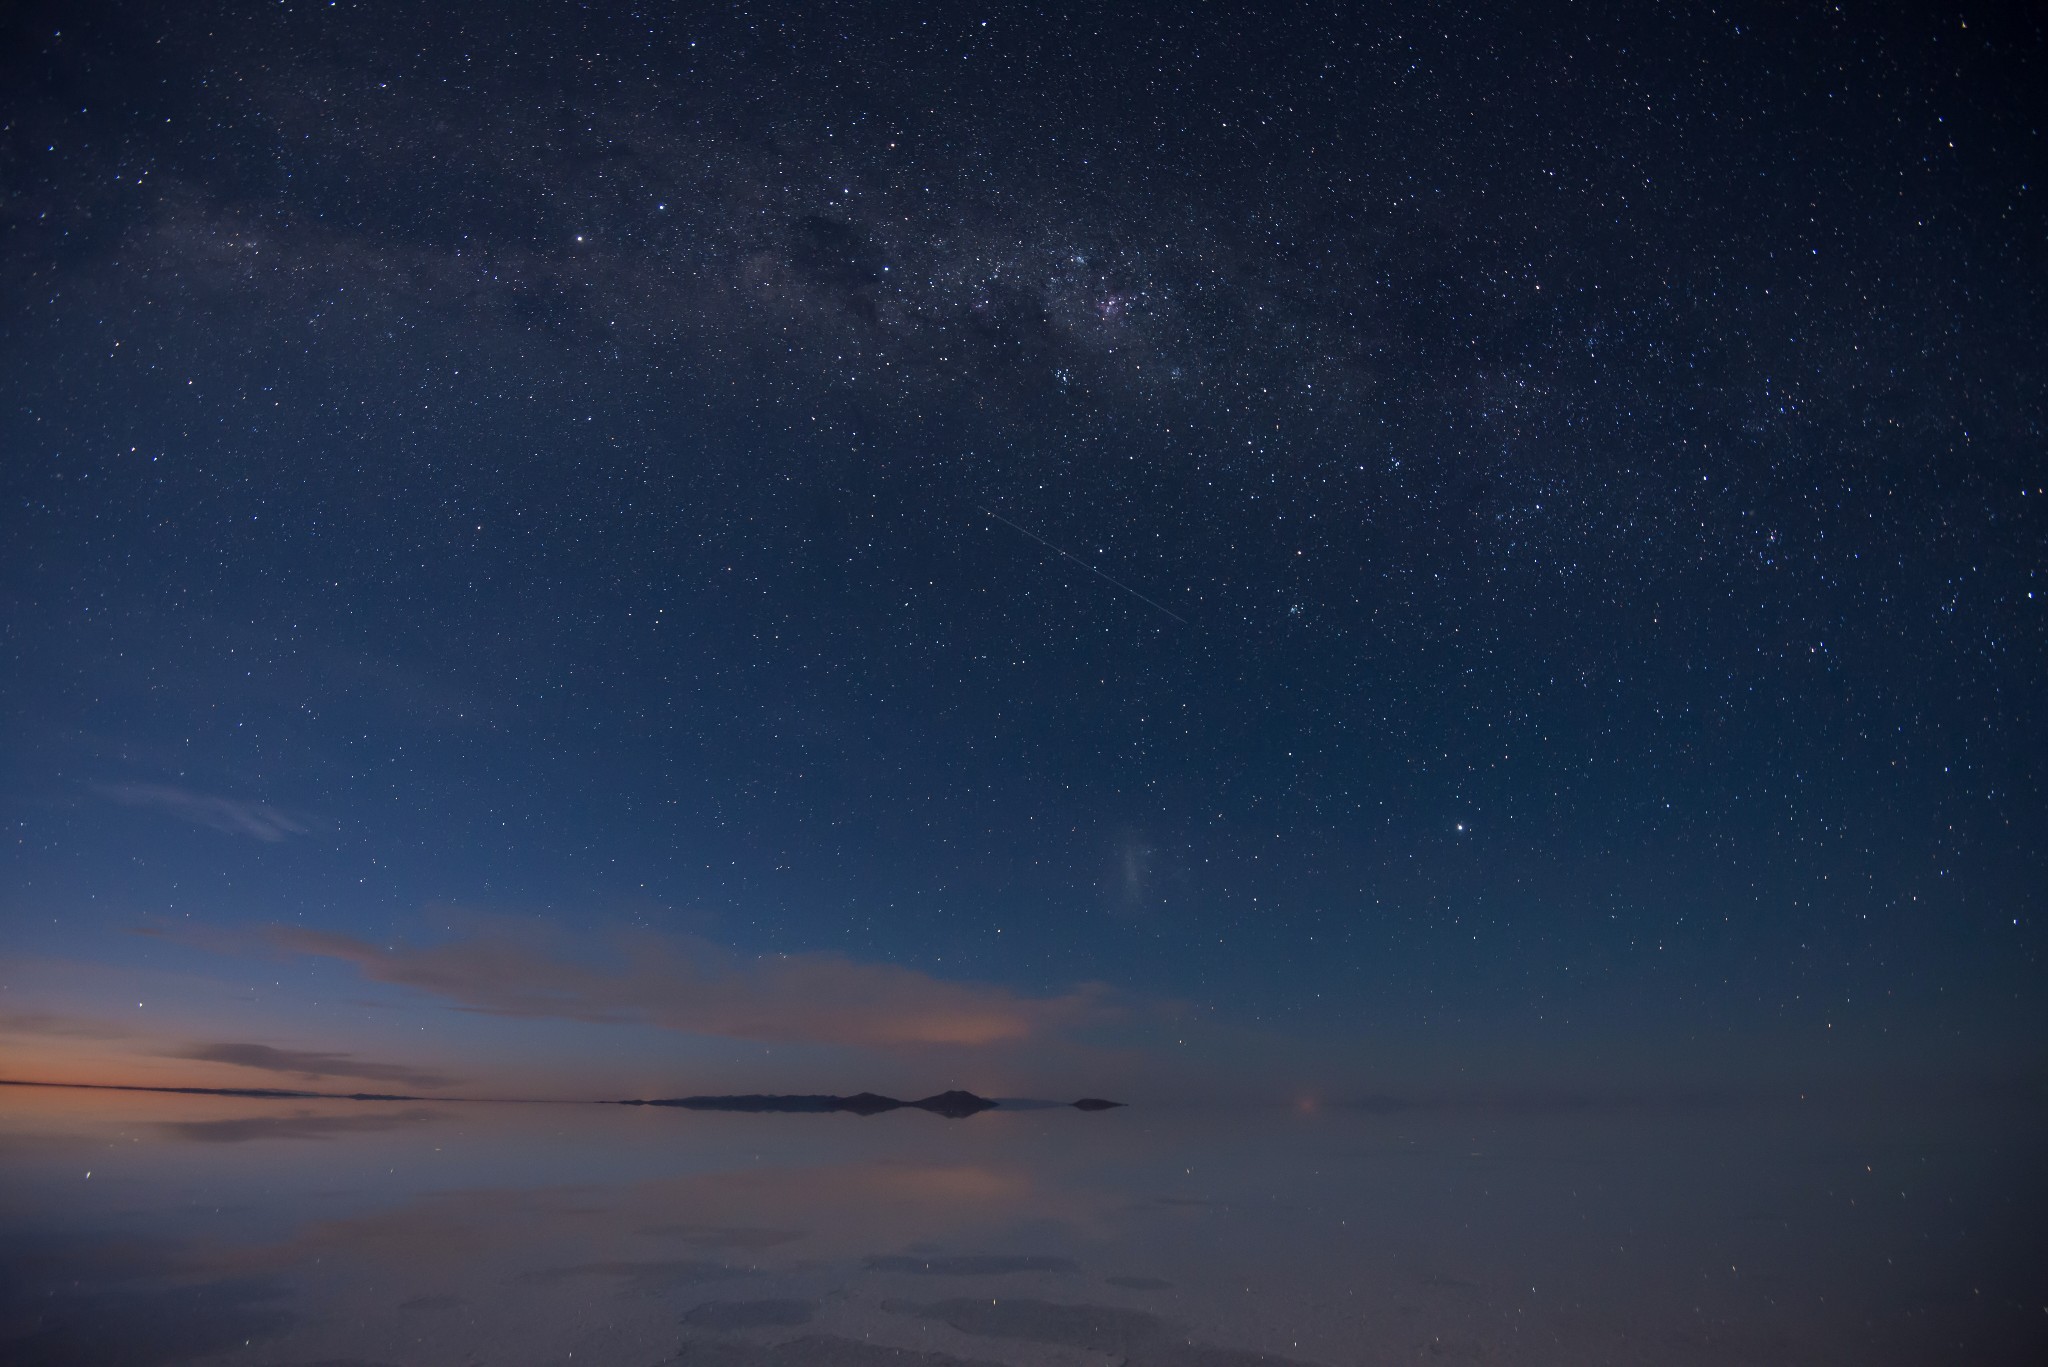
(954, 1105)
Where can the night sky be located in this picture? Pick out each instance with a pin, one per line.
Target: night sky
(596, 550)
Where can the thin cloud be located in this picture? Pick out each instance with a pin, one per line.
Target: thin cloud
(688, 985)
(64, 1027)
(313, 1064)
(231, 816)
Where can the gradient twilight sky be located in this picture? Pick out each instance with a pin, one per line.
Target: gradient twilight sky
(1154, 550)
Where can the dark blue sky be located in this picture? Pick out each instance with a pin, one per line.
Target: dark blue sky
(1565, 493)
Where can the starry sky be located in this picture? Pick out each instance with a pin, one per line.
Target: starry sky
(1364, 550)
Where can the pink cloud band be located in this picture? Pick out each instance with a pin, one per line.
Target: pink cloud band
(687, 985)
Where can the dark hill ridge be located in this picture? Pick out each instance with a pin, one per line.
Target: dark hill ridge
(955, 1105)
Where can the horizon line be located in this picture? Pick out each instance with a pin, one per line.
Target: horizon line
(294, 1094)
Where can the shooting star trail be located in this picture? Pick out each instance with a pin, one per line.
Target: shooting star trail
(1082, 563)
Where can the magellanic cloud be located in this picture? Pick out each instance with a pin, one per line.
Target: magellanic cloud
(689, 985)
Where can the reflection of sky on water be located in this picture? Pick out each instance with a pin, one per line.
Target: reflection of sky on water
(220, 1229)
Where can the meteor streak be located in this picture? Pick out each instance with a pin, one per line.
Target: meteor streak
(986, 512)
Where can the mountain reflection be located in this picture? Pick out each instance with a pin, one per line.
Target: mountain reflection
(218, 1229)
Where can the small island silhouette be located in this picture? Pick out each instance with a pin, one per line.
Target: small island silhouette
(954, 1105)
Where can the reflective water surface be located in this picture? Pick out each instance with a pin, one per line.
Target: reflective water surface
(152, 1229)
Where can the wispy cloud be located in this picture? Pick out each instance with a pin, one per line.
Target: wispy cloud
(689, 985)
(231, 816)
(65, 1027)
(313, 1064)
